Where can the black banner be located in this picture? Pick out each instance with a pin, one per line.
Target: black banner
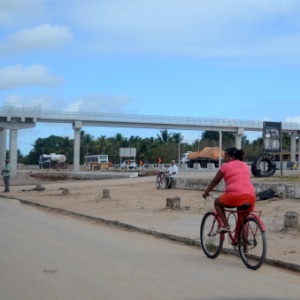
(272, 136)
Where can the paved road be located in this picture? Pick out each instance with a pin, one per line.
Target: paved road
(48, 256)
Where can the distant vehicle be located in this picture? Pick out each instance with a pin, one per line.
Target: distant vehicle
(97, 158)
(203, 157)
(132, 164)
(55, 161)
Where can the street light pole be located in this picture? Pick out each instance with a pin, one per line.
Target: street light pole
(178, 152)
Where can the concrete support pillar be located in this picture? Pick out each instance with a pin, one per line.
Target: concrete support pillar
(238, 138)
(13, 151)
(76, 157)
(3, 135)
(293, 146)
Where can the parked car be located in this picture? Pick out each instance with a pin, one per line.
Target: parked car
(132, 164)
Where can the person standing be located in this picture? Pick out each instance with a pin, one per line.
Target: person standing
(6, 175)
(173, 170)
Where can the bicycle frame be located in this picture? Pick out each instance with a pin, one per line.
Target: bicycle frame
(247, 235)
(240, 216)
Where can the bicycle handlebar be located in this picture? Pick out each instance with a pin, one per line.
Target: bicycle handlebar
(210, 196)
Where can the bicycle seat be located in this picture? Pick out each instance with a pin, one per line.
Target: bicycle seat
(245, 206)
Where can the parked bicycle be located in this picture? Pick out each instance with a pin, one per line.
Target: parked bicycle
(162, 180)
(248, 235)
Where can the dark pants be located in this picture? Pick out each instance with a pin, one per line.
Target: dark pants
(6, 183)
(170, 182)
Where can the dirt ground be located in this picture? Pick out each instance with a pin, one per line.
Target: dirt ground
(136, 201)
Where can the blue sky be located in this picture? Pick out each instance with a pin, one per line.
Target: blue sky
(226, 59)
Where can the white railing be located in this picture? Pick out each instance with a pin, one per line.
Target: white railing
(22, 110)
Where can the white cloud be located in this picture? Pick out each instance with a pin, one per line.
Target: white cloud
(87, 103)
(36, 75)
(174, 16)
(100, 103)
(227, 28)
(42, 37)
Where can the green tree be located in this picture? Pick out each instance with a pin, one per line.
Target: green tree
(20, 156)
(286, 141)
(120, 140)
(66, 146)
(176, 137)
(166, 152)
(134, 142)
(51, 144)
(86, 143)
(101, 144)
(163, 137)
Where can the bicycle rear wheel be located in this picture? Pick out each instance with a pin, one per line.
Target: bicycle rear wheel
(252, 244)
(211, 242)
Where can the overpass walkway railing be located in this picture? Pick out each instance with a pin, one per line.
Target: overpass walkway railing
(21, 110)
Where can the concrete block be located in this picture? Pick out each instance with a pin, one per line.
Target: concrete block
(291, 219)
(196, 166)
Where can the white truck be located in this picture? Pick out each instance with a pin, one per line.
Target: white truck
(52, 160)
(203, 157)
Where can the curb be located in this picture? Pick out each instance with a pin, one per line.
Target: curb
(180, 239)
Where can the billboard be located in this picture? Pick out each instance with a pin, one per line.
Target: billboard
(272, 136)
(127, 152)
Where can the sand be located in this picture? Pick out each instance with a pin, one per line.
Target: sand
(136, 201)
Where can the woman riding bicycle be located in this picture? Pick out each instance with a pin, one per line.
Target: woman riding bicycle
(239, 189)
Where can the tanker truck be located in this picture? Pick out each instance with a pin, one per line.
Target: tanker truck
(52, 160)
(203, 157)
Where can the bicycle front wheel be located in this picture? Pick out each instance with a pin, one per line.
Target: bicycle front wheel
(211, 242)
(252, 244)
(158, 179)
(165, 182)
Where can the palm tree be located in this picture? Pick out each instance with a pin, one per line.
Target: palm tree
(164, 136)
(101, 144)
(87, 143)
(120, 140)
(134, 141)
(176, 137)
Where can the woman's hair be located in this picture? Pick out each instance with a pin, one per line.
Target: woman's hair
(234, 152)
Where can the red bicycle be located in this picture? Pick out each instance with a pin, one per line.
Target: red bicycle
(248, 235)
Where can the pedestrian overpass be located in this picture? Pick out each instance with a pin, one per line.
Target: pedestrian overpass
(20, 116)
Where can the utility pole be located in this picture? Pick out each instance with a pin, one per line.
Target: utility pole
(41, 160)
(178, 152)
